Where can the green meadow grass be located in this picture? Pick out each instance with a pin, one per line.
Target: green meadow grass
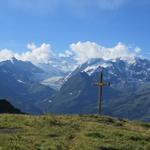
(78, 132)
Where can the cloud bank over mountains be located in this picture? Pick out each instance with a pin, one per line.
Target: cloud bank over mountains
(87, 50)
(79, 52)
(34, 54)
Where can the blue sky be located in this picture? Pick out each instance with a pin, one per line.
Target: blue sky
(62, 22)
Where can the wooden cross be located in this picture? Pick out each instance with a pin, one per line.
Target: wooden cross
(100, 85)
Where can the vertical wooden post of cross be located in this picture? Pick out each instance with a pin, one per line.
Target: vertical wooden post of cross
(100, 85)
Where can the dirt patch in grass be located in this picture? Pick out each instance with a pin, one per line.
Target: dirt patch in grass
(10, 130)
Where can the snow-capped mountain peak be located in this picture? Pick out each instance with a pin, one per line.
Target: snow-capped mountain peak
(120, 70)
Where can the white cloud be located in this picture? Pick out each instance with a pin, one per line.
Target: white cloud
(87, 50)
(80, 52)
(6, 54)
(137, 50)
(36, 55)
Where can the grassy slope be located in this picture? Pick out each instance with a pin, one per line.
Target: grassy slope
(49, 132)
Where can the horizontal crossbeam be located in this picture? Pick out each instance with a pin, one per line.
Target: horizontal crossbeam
(102, 84)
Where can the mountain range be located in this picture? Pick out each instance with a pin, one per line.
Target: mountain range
(57, 88)
(128, 96)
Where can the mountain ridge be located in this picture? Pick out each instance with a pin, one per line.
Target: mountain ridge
(6, 107)
(126, 80)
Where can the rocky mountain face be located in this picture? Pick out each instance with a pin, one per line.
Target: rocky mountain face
(127, 97)
(19, 83)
